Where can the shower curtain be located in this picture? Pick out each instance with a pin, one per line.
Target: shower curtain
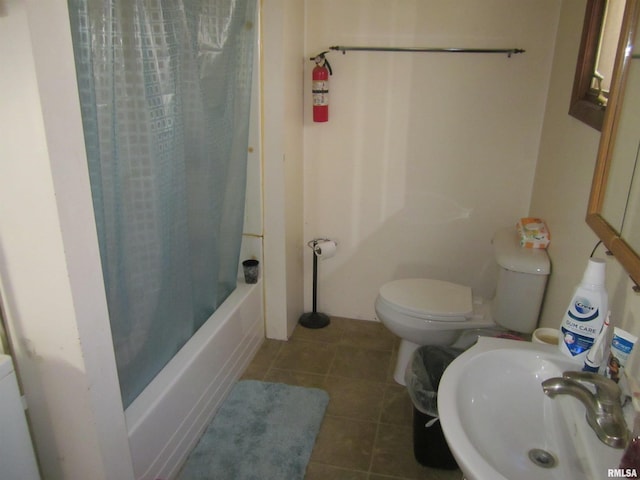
(165, 90)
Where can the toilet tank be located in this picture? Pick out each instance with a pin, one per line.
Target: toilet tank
(522, 279)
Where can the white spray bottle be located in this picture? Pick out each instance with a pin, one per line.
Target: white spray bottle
(586, 313)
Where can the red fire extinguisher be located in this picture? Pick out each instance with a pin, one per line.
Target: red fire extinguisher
(320, 88)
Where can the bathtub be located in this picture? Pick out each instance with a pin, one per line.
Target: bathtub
(167, 419)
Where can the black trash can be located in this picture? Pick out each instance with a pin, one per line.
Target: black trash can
(422, 378)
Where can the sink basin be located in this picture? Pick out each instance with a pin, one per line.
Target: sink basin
(500, 425)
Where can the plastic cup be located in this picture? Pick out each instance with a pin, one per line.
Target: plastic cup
(549, 336)
(251, 270)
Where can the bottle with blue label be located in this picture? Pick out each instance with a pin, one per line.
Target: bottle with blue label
(586, 313)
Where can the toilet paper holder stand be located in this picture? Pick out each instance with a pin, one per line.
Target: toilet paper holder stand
(315, 319)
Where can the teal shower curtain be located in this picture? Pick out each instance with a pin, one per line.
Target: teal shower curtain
(165, 88)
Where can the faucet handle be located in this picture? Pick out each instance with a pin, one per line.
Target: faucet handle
(605, 387)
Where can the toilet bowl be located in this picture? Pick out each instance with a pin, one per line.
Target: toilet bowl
(404, 308)
(423, 311)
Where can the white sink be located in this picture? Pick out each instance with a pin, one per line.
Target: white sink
(494, 413)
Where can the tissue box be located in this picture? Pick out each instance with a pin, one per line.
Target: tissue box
(533, 233)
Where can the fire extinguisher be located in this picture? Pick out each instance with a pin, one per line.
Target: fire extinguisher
(320, 88)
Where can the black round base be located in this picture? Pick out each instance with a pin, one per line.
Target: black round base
(314, 320)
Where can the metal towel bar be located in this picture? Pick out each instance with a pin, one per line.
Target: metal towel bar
(508, 51)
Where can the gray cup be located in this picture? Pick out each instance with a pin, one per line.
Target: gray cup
(251, 270)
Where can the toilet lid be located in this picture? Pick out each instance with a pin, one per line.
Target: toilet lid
(430, 299)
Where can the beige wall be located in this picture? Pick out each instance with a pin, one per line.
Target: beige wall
(568, 150)
(293, 173)
(282, 67)
(425, 155)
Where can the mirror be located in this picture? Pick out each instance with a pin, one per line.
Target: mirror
(614, 204)
(594, 68)
(606, 54)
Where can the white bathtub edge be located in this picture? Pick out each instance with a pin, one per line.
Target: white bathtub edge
(168, 418)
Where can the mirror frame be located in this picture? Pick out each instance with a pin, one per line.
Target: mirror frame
(627, 257)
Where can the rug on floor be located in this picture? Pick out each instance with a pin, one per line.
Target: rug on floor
(262, 431)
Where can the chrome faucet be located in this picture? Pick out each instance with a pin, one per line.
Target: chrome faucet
(604, 410)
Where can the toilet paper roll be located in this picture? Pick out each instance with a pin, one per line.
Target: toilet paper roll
(325, 249)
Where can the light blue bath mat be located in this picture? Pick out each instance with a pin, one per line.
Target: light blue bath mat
(263, 431)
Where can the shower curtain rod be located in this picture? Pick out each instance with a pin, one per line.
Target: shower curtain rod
(508, 51)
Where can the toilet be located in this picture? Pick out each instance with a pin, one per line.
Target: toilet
(423, 311)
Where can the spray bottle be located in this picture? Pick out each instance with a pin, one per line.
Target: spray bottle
(586, 313)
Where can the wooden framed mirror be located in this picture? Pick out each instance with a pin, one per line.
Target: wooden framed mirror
(614, 204)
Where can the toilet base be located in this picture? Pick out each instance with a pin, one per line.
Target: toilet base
(404, 357)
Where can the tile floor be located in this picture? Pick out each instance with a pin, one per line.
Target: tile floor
(367, 430)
